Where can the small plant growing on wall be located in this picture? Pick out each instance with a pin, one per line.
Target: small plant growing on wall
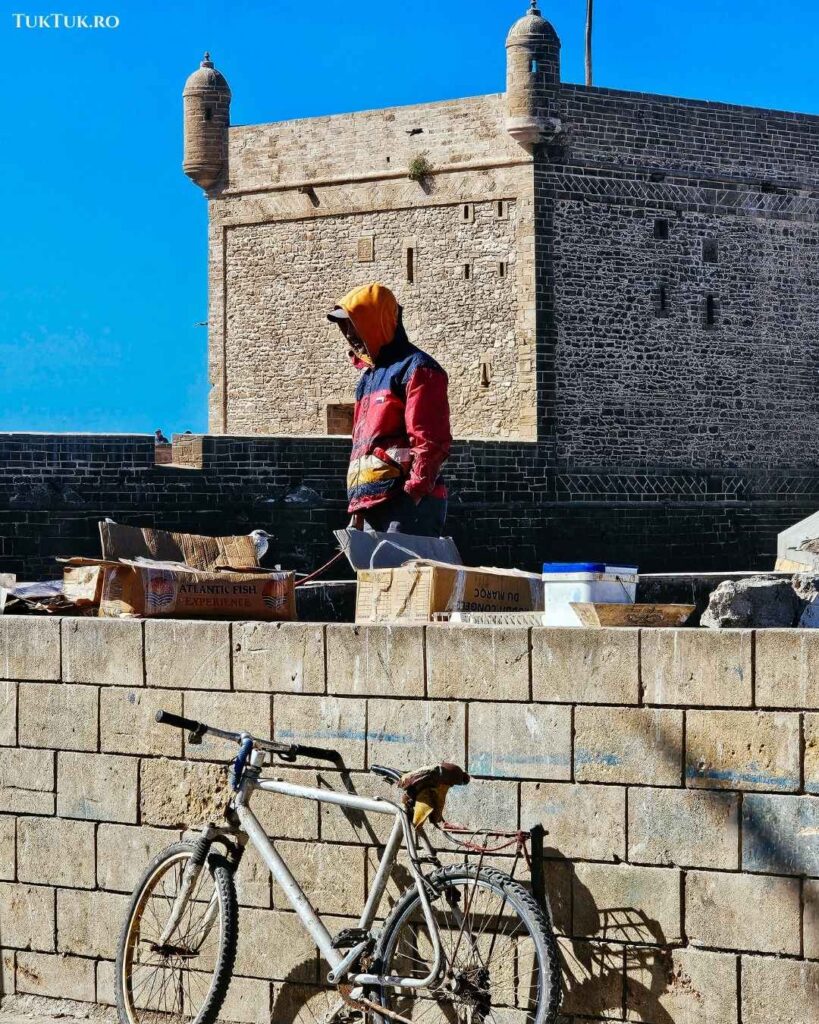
(419, 169)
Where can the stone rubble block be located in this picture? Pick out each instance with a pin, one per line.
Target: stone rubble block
(187, 655)
(787, 668)
(60, 716)
(780, 834)
(693, 667)
(278, 657)
(753, 913)
(237, 712)
(26, 781)
(478, 662)
(29, 647)
(406, 734)
(182, 794)
(583, 822)
(628, 745)
(97, 787)
(56, 976)
(748, 750)
(686, 986)
(128, 724)
(42, 845)
(333, 723)
(603, 669)
(625, 903)
(108, 652)
(520, 740)
(778, 991)
(758, 602)
(379, 661)
(88, 923)
(683, 828)
(27, 914)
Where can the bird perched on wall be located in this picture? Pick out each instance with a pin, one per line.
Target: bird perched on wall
(260, 540)
(159, 438)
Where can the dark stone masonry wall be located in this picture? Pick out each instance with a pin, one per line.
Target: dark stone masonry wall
(507, 507)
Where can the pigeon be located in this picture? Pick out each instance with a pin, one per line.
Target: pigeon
(260, 542)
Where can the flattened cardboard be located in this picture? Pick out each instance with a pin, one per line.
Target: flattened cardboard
(120, 543)
(82, 584)
(139, 589)
(414, 593)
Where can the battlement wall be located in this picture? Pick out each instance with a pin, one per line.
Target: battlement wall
(676, 772)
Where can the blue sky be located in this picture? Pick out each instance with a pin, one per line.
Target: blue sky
(103, 254)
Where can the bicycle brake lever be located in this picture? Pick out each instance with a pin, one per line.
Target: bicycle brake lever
(195, 735)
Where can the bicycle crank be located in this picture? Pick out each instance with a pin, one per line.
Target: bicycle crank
(367, 1004)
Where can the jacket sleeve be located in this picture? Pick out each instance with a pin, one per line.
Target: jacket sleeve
(427, 420)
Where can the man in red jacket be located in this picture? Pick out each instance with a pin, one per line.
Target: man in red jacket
(401, 434)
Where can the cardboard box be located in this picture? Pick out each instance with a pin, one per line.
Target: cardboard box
(414, 593)
(121, 543)
(82, 582)
(141, 589)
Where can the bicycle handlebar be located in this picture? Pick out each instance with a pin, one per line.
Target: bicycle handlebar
(286, 751)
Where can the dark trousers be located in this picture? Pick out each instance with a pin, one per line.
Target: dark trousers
(400, 514)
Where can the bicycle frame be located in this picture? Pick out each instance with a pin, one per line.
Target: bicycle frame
(402, 831)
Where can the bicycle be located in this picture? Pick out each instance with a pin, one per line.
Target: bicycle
(467, 943)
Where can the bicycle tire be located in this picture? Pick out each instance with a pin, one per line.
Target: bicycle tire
(221, 872)
(531, 913)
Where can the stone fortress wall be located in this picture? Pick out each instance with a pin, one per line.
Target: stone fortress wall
(676, 772)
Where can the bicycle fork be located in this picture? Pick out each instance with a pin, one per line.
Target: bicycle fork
(190, 879)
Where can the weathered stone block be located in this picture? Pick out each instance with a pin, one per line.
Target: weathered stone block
(187, 655)
(247, 1001)
(787, 668)
(99, 787)
(336, 723)
(290, 954)
(683, 828)
(599, 666)
(235, 711)
(29, 647)
(108, 652)
(8, 714)
(623, 903)
(479, 662)
(686, 986)
(54, 851)
(696, 667)
(406, 734)
(278, 657)
(810, 917)
(331, 875)
(27, 913)
(58, 715)
(26, 781)
(780, 834)
(253, 880)
(779, 991)
(630, 745)
(484, 803)
(520, 740)
(56, 976)
(583, 822)
(593, 974)
(386, 661)
(758, 601)
(182, 794)
(342, 825)
(811, 753)
(7, 987)
(128, 724)
(284, 817)
(124, 851)
(742, 750)
(88, 922)
(8, 858)
(758, 913)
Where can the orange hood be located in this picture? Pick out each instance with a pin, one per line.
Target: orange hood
(373, 311)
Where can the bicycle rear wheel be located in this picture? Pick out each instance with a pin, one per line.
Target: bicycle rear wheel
(177, 973)
(500, 953)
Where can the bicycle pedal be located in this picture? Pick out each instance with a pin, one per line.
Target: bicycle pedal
(349, 937)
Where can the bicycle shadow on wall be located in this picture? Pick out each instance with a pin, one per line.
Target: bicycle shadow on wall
(621, 942)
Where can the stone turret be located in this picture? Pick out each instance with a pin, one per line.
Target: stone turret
(206, 103)
(532, 69)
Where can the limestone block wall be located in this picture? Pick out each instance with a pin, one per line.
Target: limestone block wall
(677, 774)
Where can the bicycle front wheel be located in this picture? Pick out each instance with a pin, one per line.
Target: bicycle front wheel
(500, 953)
(176, 951)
